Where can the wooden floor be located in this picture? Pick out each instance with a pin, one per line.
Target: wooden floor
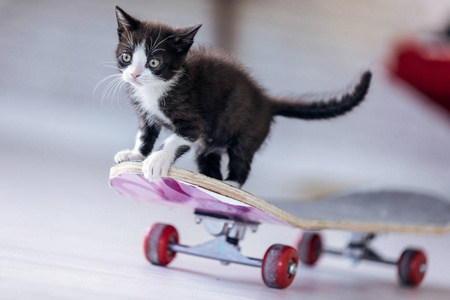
(65, 234)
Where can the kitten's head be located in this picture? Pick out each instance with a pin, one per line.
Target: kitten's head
(150, 53)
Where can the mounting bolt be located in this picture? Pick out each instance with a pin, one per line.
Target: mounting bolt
(198, 220)
(292, 269)
(422, 268)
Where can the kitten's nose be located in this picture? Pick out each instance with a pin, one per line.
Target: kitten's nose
(135, 76)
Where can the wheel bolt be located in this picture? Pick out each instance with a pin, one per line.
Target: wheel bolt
(422, 268)
(292, 269)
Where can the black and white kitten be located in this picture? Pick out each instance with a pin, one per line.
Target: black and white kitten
(204, 97)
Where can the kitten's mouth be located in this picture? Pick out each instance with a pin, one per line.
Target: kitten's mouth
(135, 82)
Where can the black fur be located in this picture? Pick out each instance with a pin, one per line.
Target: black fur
(215, 101)
(181, 150)
(209, 164)
(149, 134)
(324, 110)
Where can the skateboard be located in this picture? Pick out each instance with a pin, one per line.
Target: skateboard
(227, 212)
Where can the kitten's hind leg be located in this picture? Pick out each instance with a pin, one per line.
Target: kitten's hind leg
(239, 164)
(209, 164)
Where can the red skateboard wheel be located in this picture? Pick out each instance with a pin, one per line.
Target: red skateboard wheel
(412, 266)
(310, 248)
(156, 243)
(279, 266)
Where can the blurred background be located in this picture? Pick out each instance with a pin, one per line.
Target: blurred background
(58, 136)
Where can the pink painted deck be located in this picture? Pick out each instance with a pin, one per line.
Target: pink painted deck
(173, 193)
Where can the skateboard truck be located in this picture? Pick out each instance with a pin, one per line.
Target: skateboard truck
(411, 265)
(217, 225)
(359, 249)
(278, 267)
(224, 247)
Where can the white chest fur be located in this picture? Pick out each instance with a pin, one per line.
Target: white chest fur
(149, 98)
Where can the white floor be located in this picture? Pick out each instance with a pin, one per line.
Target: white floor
(72, 237)
(64, 234)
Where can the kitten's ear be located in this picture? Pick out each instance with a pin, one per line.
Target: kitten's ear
(185, 37)
(125, 21)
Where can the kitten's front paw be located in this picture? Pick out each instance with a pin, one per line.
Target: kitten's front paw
(156, 165)
(127, 155)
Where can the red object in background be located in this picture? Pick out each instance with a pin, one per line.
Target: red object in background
(425, 66)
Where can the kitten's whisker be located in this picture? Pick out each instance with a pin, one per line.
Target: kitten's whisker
(112, 67)
(117, 90)
(159, 34)
(126, 40)
(111, 87)
(126, 45)
(112, 93)
(164, 40)
(103, 80)
(108, 77)
(106, 62)
(129, 38)
(121, 84)
(108, 87)
(117, 98)
(159, 49)
(151, 43)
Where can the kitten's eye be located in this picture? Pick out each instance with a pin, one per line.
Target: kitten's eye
(126, 57)
(154, 63)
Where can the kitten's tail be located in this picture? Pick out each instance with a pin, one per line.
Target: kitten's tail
(324, 109)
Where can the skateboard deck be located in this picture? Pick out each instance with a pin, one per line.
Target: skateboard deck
(376, 211)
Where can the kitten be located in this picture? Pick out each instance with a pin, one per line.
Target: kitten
(207, 99)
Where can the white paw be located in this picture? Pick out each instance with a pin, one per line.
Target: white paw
(128, 155)
(157, 165)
